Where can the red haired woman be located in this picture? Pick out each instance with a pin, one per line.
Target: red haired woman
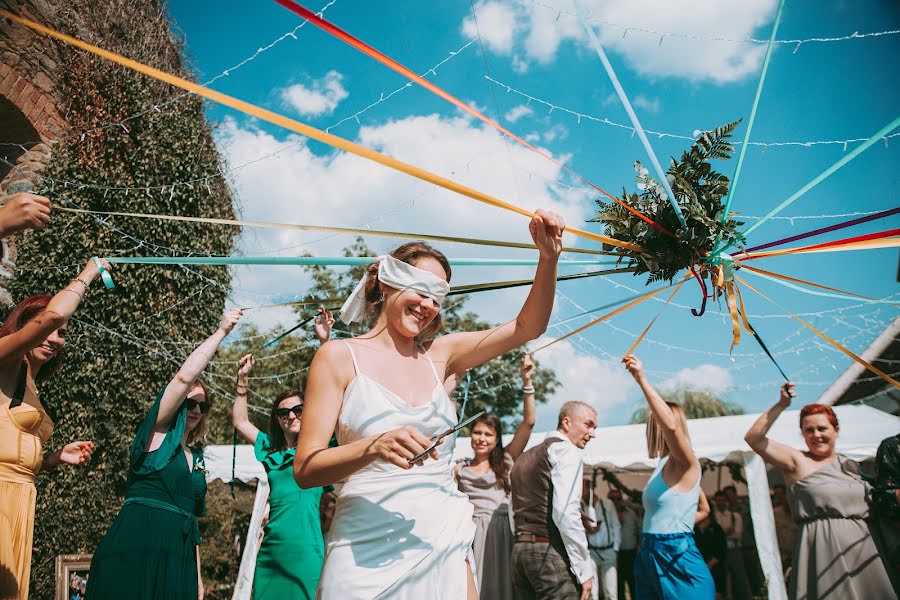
(834, 554)
(31, 342)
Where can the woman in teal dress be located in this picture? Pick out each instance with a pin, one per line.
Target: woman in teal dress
(152, 549)
(292, 551)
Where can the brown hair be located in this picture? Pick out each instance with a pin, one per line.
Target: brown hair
(196, 434)
(497, 457)
(408, 253)
(276, 433)
(656, 443)
(22, 313)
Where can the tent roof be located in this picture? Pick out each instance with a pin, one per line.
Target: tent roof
(623, 447)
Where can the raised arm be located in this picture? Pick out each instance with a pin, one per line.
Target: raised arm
(239, 415)
(61, 307)
(680, 450)
(315, 464)
(775, 453)
(181, 384)
(523, 432)
(463, 351)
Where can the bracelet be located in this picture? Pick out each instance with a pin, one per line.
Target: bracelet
(241, 392)
(80, 297)
(81, 281)
(528, 389)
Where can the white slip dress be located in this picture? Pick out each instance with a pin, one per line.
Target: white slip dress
(397, 533)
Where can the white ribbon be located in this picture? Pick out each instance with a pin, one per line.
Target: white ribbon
(399, 275)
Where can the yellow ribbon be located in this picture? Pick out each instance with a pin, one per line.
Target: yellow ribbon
(324, 229)
(640, 338)
(891, 242)
(301, 128)
(870, 367)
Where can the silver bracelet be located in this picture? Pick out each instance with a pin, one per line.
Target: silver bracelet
(528, 390)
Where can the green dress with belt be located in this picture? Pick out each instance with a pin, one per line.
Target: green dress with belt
(290, 557)
(149, 551)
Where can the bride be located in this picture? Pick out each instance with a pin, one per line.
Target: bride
(401, 529)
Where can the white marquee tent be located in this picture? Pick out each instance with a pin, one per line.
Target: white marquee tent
(622, 450)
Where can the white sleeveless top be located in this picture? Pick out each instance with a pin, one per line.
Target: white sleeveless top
(397, 533)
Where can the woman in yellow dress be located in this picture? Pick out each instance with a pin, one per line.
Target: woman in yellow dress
(31, 340)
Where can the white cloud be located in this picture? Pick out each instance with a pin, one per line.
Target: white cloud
(711, 378)
(318, 98)
(644, 103)
(603, 384)
(342, 189)
(557, 132)
(519, 65)
(495, 22)
(541, 28)
(517, 112)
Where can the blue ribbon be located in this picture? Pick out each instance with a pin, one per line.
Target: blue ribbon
(104, 274)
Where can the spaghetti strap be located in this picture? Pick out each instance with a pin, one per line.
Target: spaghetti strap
(356, 370)
(431, 362)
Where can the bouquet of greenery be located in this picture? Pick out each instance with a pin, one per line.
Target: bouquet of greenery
(700, 192)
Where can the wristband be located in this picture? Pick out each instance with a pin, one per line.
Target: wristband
(104, 274)
(528, 390)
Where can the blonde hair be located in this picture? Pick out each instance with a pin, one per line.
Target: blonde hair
(656, 443)
(408, 253)
(196, 434)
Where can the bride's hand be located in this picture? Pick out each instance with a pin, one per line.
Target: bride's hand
(400, 445)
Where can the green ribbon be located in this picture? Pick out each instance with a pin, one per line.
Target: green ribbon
(104, 274)
(348, 261)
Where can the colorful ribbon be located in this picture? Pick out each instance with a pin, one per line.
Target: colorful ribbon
(841, 294)
(635, 122)
(389, 62)
(847, 352)
(646, 330)
(824, 175)
(104, 274)
(325, 229)
(879, 215)
(301, 128)
(759, 87)
(347, 261)
(881, 239)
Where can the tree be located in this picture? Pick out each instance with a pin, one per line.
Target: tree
(495, 386)
(696, 404)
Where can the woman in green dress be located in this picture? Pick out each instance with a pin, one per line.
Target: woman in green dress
(152, 549)
(290, 557)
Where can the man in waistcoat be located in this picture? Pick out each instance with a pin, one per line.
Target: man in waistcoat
(550, 558)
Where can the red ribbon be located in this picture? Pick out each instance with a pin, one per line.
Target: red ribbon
(393, 64)
(829, 229)
(859, 238)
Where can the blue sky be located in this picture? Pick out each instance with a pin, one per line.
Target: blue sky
(679, 82)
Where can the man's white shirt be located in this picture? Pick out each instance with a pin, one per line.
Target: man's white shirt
(566, 472)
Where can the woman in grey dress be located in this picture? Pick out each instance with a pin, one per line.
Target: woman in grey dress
(835, 557)
(485, 480)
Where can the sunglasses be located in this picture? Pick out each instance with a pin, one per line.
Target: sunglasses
(191, 403)
(282, 413)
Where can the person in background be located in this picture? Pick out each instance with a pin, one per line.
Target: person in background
(711, 542)
(23, 211)
(604, 535)
(668, 563)
(485, 480)
(550, 560)
(290, 557)
(750, 557)
(886, 506)
(834, 554)
(785, 527)
(630, 528)
(732, 523)
(32, 339)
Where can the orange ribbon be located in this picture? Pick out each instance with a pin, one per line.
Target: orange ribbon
(389, 62)
(640, 338)
(803, 281)
(864, 363)
(302, 128)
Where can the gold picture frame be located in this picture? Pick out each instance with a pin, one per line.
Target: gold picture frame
(71, 571)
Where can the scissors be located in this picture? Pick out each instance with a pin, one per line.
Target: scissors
(436, 438)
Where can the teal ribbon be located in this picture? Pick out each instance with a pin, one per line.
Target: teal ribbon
(631, 114)
(881, 133)
(104, 274)
(751, 120)
(610, 305)
(348, 261)
(462, 411)
(823, 294)
(190, 525)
